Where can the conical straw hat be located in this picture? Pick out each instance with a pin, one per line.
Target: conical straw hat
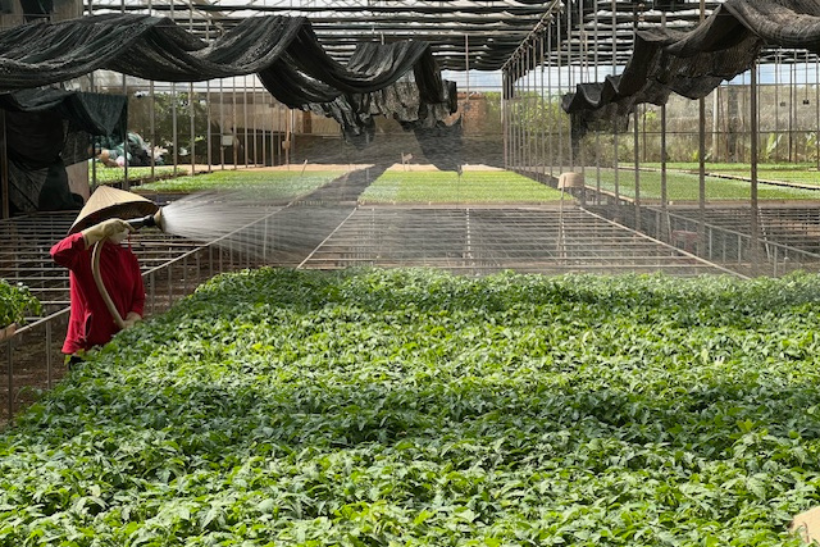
(107, 202)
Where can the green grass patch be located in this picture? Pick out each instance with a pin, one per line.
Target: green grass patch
(447, 187)
(413, 407)
(276, 184)
(800, 173)
(808, 177)
(684, 187)
(728, 167)
(113, 175)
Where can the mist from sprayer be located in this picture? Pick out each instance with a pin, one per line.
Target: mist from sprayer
(274, 230)
(284, 231)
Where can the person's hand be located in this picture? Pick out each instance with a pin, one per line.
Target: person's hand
(131, 319)
(104, 230)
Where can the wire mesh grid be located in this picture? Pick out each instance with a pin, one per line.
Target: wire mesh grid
(478, 241)
(787, 235)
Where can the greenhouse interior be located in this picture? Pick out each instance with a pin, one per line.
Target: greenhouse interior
(409, 272)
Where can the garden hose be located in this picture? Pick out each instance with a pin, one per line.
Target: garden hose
(149, 220)
(95, 270)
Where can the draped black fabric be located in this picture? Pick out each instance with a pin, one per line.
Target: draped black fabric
(92, 113)
(400, 79)
(442, 145)
(410, 103)
(284, 51)
(48, 129)
(694, 63)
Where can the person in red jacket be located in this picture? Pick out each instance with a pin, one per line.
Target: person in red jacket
(91, 324)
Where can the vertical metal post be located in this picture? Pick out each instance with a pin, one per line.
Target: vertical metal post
(518, 146)
(664, 197)
(511, 107)
(175, 136)
(636, 137)
(551, 123)
(265, 242)
(264, 132)
(126, 184)
(615, 126)
(234, 131)
(255, 116)
(10, 369)
(777, 106)
(221, 124)
(792, 101)
(636, 146)
(542, 122)
(152, 291)
(755, 229)
(152, 115)
(505, 145)
(525, 126)
(192, 111)
(208, 133)
(570, 83)
(702, 160)
(4, 165)
(560, 128)
(48, 354)
(245, 117)
(597, 133)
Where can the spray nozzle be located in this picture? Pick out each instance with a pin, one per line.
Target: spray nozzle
(147, 221)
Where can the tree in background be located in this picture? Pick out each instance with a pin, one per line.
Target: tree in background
(167, 107)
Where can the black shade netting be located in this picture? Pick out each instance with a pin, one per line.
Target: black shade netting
(280, 49)
(692, 64)
(284, 52)
(47, 129)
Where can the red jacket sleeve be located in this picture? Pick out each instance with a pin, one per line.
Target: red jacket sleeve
(69, 250)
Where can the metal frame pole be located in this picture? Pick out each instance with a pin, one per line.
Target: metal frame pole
(526, 129)
(10, 370)
(560, 129)
(48, 354)
(570, 83)
(221, 124)
(245, 118)
(702, 160)
(551, 113)
(597, 133)
(636, 138)
(615, 126)
(191, 105)
(467, 76)
(754, 228)
(542, 122)
(208, 133)
(4, 166)
(664, 198)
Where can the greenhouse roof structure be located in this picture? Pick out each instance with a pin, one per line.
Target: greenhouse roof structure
(474, 34)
